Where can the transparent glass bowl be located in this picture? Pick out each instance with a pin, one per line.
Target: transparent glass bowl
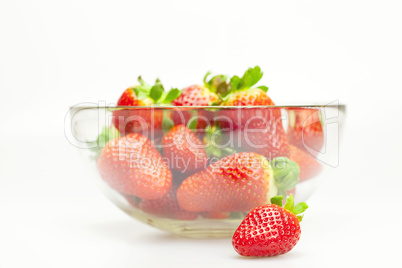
(308, 135)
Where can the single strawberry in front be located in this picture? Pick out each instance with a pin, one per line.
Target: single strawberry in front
(269, 230)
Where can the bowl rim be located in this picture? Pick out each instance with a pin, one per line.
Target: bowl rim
(114, 107)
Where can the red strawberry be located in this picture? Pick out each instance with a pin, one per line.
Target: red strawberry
(242, 93)
(131, 165)
(269, 230)
(305, 129)
(147, 121)
(309, 166)
(269, 139)
(237, 182)
(198, 119)
(259, 129)
(198, 95)
(167, 207)
(184, 150)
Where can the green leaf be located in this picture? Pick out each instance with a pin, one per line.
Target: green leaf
(277, 200)
(142, 82)
(229, 150)
(213, 138)
(286, 173)
(206, 76)
(192, 123)
(251, 77)
(300, 217)
(142, 90)
(167, 122)
(173, 94)
(215, 81)
(213, 151)
(235, 81)
(106, 135)
(290, 203)
(264, 88)
(217, 84)
(157, 91)
(299, 208)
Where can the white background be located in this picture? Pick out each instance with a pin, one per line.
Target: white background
(54, 54)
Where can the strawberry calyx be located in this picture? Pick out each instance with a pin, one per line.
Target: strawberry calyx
(170, 96)
(156, 93)
(106, 135)
(286, 174)
(217, 83)
(250, 77)
(297, 209)
(214, 141)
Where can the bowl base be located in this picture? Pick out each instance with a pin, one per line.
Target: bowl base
(199, 228)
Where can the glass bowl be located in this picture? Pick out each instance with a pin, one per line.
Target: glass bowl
(237, 158)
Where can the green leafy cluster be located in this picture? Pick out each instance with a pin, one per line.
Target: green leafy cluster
(217, 83)
(251, 77)
(290, 205)
(156, 92)
(220, 84)
(214, 138)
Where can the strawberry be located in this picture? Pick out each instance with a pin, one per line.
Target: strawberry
(147, 121)
(167, 207)
(257, 129)
(269, 140)
(198, 95)
(309, 166)
(202, 95)
(184, 150)
(305, 129)
(237, 182)
(269, 230)
(131, 166)
(197, 119)
(241, 92)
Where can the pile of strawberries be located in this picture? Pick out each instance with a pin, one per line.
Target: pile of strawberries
(173, 158)
(210, 150)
